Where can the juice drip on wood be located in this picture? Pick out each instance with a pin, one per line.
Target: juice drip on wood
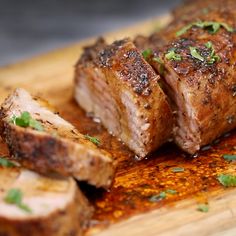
(138, 184)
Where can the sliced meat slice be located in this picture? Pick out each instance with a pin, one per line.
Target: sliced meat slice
(59, 147)
(35, 205)
(121, 88)
(200, 75)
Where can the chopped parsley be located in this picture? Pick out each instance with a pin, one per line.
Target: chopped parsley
(213, 57)
(15, 196)
(171, 191)
(6, 163)
(195, 54)
(92, 139)
(203, 207)
(212, 26)
(209, 45)
(147, 53)
(162, 195)
(227, 180)
(172, 55)
(229, 157)
(177, 169)
(161, 64)
(25, 120)
(158, 197)
(157, 59)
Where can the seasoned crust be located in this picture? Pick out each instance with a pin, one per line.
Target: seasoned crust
(67, 153)
(121, 88)
(90, 52)
(203, 92)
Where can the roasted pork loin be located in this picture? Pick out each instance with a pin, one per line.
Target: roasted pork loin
(121, 88)
(36, 205)
(58, 147)
(198, 56)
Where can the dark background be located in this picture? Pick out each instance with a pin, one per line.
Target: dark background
(29, 27)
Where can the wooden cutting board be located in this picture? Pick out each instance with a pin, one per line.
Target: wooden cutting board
(132, 206)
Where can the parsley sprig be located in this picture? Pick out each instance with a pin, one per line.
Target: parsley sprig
(162, 195)
(229, 157)
(15, 196)
(147, 53)
(172, 55)
(6, 163)
(177, 169)
(94, 140)
(203, 207)
(209, 60)
(212, 26)
(194, 53)
(25, 120)
(227, 180)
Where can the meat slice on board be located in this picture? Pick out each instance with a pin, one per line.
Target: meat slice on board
(35, 205)
(42, 141)
(121, 88)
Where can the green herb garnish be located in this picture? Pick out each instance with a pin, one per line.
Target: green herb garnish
(6, 163)
(177, 169)
(203, 207)
(184, 30)
(172, 55)
(162, 195)
(212, 27)
(161, 64)
(157, 59)
(147, 53)
(229, 157)
(15, 196)
(227, 180)
(209, 45)
(25, 120)
(213, 57)
(195, 54)
(171, 191)
(158, 197)
(92, 139)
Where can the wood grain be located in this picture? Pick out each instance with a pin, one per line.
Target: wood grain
(51, 76)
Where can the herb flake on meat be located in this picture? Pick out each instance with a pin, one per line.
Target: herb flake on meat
(25, 120)
(147, 53)
(212, 26)
(194, 53)
(94, 140)
(229, 157)
(6, 163)
(227, 180)
(15, 197)
(172, 55)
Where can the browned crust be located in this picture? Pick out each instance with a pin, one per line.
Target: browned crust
(46, 153)
(122, 68)
(209, 88)
(66, 222)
